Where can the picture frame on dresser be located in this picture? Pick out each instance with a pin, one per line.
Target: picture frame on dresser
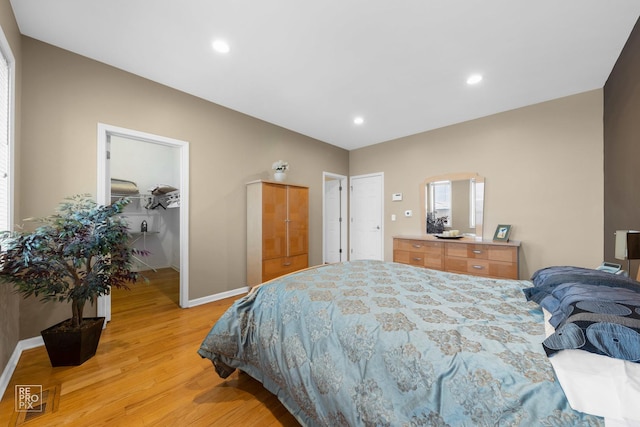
(502, 233)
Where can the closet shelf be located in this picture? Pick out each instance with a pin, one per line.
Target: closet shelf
(164, 201)
(159, 196)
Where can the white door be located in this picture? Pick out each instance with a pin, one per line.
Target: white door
(334, 218)
(366, 229)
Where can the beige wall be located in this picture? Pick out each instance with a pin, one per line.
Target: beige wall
(622, 147)
(543, 166)
(9, 301)
(66, 95)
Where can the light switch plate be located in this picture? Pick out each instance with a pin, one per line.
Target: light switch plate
(396, 197)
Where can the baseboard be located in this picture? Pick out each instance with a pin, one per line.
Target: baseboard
(15, 358)
(217, 297)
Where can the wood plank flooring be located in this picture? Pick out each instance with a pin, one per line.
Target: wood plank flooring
(146, 371)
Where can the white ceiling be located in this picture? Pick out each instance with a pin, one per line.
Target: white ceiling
(313, 66)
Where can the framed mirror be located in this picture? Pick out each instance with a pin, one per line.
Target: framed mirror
(453, 202)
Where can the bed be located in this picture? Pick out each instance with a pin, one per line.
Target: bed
(371, 343)
(593, 339)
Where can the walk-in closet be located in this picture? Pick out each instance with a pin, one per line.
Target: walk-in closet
(149, 175)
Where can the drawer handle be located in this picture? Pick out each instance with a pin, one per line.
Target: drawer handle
(417, 259)
(417, 246)
(477, 251)
(286, 264)
(478, 267)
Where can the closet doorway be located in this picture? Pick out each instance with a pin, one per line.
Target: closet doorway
(152, 171)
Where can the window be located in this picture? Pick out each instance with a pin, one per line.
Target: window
(472, 203)
(441, 197)
(6, 134)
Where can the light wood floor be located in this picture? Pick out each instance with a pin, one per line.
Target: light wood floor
(146, 371)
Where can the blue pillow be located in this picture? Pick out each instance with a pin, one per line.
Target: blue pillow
(601, 327)
(557, 275)
(552, 284)
(592, 310)
(558, 300)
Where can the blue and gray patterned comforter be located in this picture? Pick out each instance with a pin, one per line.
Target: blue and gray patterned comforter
(369, 343)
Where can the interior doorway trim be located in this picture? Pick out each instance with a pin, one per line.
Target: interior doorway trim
(344, 237)
(103, 197)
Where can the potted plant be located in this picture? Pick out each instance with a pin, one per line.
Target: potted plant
(76, 255)
(280, 168)
(435, 224)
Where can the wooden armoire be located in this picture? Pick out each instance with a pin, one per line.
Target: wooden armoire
(277, 230)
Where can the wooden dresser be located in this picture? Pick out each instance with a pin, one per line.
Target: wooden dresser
(465, 255)
(277, 230)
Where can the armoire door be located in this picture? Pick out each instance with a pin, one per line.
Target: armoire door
(298, 220)
(274, 221)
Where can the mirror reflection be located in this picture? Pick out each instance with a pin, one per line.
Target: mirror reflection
(453, 202)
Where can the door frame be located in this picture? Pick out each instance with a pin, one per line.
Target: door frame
(351, 178)
(104, 189)
(344, 236)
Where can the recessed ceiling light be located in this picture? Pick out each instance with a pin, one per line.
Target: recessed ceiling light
(474, 79)
(358, 120)
(220, 46)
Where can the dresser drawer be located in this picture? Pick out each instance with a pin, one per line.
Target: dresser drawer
(429, 259)
(479, 267)
(503, 253)
(503, 270)
(406, 257)
(420, 253)
(275, 267)
(467, 250)
(417, 245)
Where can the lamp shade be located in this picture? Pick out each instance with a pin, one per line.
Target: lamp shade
(627, 244)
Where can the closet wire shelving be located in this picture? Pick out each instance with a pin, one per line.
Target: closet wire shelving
(151, 201)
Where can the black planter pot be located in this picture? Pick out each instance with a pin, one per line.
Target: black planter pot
(72, 348)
